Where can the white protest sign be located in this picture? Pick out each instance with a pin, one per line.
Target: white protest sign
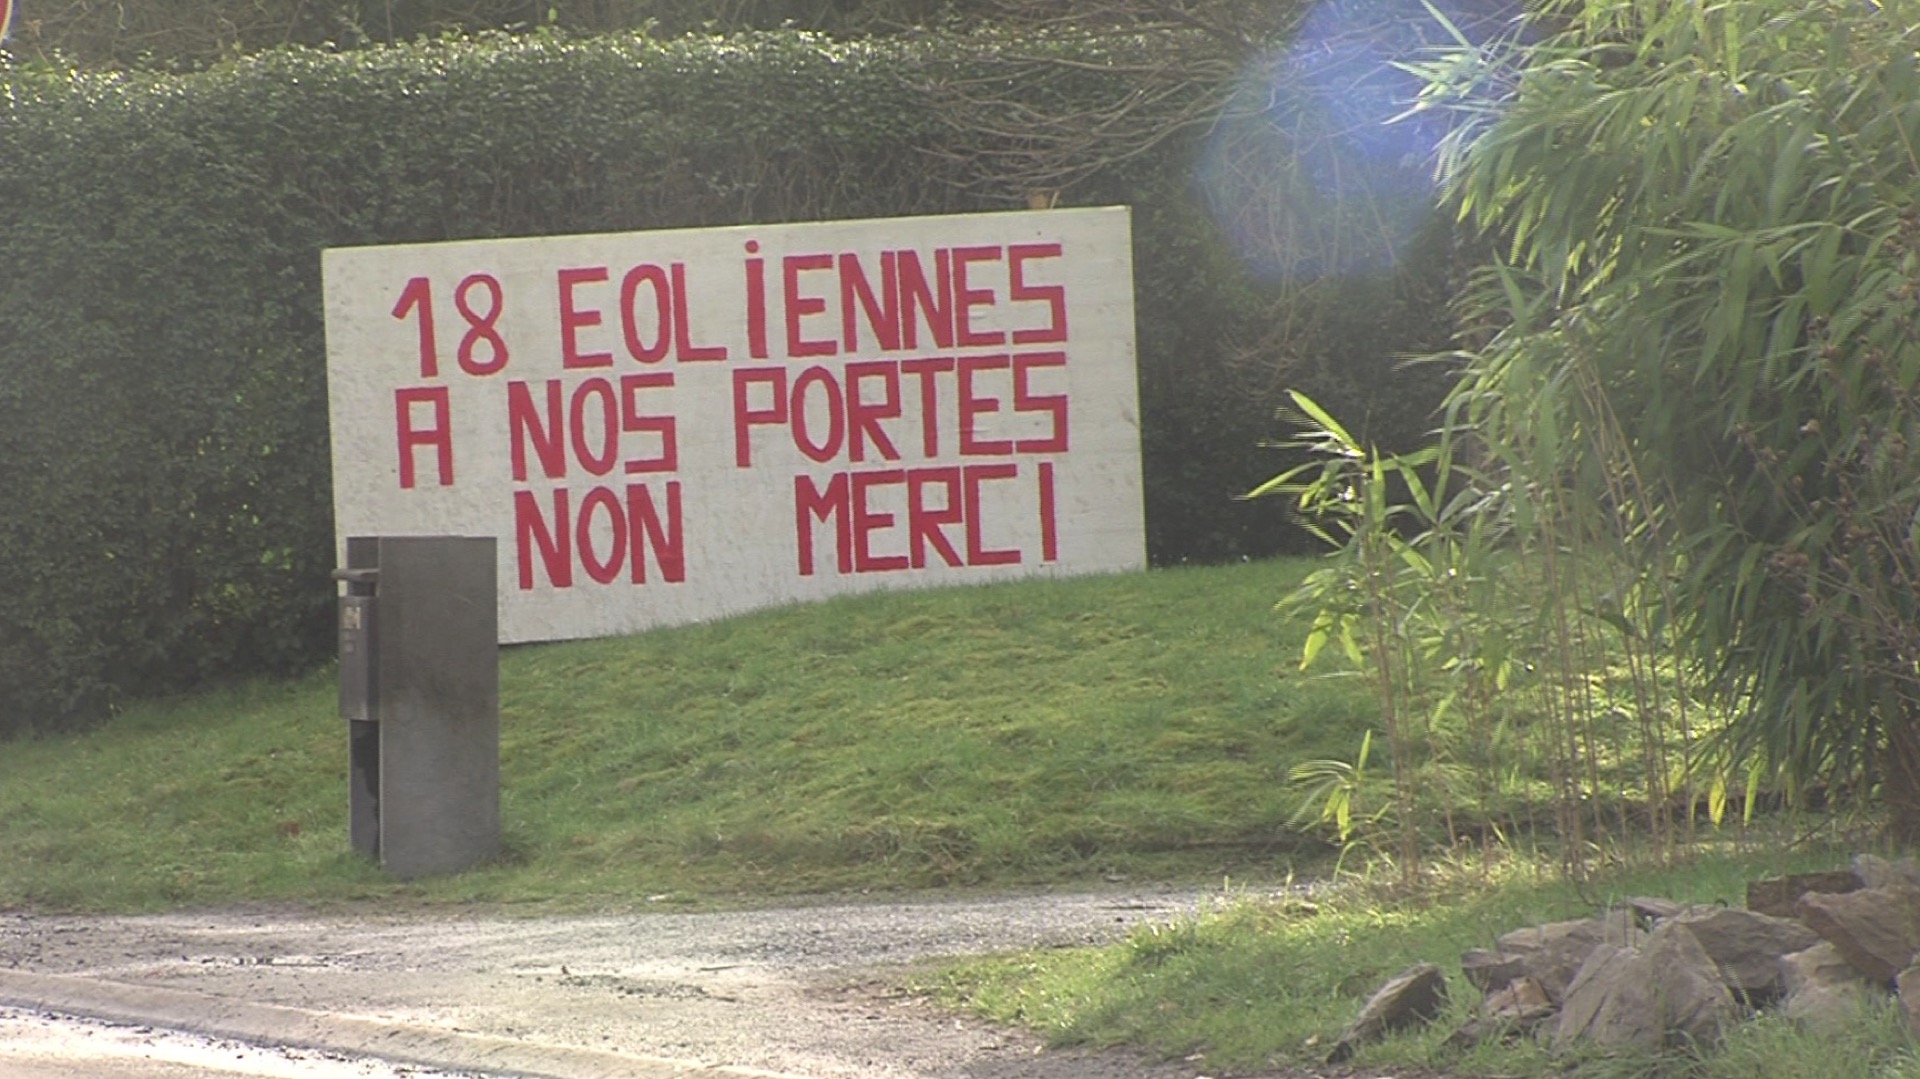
(665, 427)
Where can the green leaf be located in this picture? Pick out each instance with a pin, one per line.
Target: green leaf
(1755, 771)
(1317, 637)
(1325, 420)
(1349, 643)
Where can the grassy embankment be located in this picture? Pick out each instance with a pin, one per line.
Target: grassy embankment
(1014, 734)
(1033, 733)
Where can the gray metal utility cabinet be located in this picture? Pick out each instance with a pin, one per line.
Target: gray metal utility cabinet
(420, 689)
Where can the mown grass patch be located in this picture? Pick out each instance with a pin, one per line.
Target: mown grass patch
(1022, 733)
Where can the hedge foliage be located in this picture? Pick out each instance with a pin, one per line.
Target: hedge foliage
(163, 445)
(192, 33)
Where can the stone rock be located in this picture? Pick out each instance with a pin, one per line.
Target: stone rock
(1648, 910)
(1877, 929)
(1580, 1011)
(1521, 998)
(1908, 983)
(1877, 872)
(1696, 1003)
(1778, 895)
(1509, 1012)
(1488, 971)
(1824, 992)
(1552, 954)
(1747, 947)
(1410, 998)
(1646, 998)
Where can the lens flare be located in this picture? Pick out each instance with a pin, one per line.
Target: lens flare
(1318, 167)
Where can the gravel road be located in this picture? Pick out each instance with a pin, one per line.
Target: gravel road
(808, 991)
(36, 1045)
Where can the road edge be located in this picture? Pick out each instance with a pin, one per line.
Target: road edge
(298, 1028)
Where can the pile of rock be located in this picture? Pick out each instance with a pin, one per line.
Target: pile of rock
(1656, 973)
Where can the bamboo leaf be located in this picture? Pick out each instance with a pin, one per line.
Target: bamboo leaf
(1325, 420)
(1349, 643)
(1317, 637)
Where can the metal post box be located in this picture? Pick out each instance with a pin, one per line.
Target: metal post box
(420, 689)
(359, 652)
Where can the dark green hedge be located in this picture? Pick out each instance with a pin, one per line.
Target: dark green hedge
(193, 33)
(163, 456)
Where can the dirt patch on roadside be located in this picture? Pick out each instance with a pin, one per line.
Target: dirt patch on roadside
(806, 991)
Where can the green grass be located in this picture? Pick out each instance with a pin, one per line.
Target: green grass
(1270, 983)
(1029, 733)
(1012, 734)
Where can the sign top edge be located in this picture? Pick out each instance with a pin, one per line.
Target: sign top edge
(746, 229)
